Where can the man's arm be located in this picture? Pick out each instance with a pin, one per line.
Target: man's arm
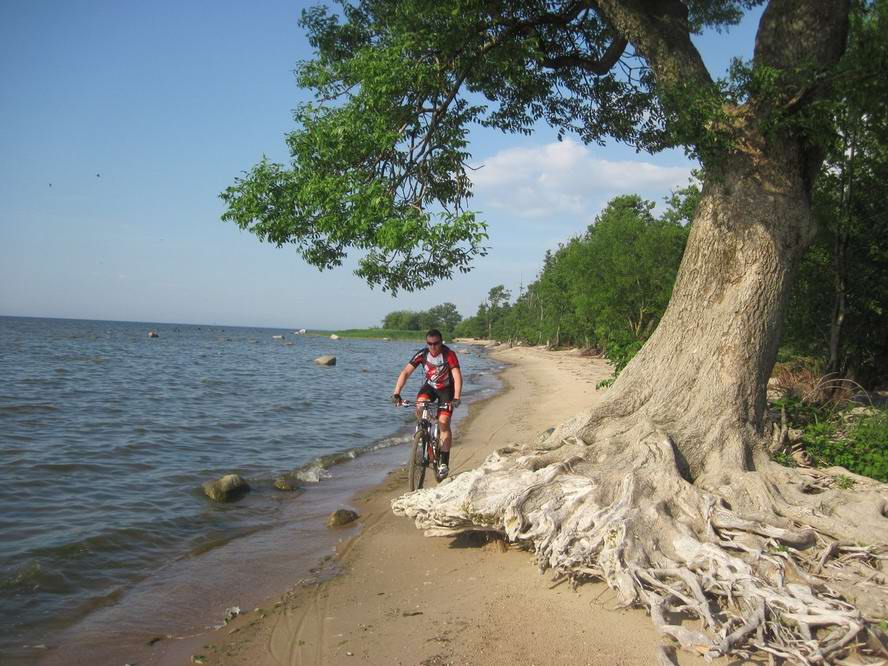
(457, 383)
(402, 378)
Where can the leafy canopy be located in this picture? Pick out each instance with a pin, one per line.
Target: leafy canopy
(380, 161)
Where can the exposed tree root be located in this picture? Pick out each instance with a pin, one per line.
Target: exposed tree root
(774, 559)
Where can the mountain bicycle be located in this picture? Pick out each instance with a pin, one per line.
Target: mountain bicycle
(426, 449)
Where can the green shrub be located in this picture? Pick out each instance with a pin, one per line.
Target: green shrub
(784, 459)
(863, 449)
(619, 354)
(801, 413)
(832, 436)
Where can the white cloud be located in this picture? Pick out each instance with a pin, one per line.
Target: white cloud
(567, 178)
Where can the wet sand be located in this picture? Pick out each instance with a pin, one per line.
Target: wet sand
(402, 598)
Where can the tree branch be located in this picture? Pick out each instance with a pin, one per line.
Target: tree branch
(793, 35)
(599, 66)
(660, 32)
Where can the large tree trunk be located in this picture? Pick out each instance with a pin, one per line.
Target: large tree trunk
(702, 376)
(666, 490)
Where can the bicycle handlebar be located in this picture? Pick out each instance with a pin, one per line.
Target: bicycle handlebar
(421, 403)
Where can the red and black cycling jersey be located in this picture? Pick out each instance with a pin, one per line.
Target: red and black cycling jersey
(437, 368)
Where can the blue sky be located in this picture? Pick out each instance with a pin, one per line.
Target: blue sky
(120, 123)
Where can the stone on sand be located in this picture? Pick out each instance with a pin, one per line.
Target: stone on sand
(341, 517)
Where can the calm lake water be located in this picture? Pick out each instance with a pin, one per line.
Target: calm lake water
(106, 436)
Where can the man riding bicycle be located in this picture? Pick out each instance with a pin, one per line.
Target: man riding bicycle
(443, 382)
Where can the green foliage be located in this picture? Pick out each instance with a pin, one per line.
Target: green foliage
(379, 160)
(842, 286)
(802, 412)
(784, 459)
(380, 333)
(444, 317)
(832, 436)
(844, 482)
(630, 262)
(606, 288)
(863, 449)
(487, 322)
(619, 354)
(407, 320)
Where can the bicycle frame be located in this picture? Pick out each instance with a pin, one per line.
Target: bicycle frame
(427, 431)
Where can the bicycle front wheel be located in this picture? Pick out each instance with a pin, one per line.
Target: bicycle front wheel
(417, 468)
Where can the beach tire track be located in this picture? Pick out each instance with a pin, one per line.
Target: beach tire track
(298, 637)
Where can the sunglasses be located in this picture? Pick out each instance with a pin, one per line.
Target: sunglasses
(433, 344)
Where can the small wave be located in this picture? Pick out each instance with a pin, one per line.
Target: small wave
(312, 474)
(292, 407)
(318, 469)
(83, 358)
(28, 408)
(33, 576)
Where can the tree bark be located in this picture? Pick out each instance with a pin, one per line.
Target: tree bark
(703, 373)
(837, 321)
(840, 259)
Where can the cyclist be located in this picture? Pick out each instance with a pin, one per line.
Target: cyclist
(443, 382)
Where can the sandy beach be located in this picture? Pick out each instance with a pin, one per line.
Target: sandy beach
(402, 598)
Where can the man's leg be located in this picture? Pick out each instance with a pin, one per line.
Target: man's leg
(446, 438)
(444, 430)
(424, 395)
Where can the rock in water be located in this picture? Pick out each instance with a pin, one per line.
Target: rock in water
(282, 483)
(341, 517)
(326, 360)
(226, 488)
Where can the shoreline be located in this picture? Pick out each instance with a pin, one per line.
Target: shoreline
(398, 597)
(165, 617)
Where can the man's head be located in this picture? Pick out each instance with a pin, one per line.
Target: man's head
(433, 339)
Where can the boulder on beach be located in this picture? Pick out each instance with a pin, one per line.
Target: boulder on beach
(341, 517)
(285, 484)
(326, 360)
(226, 488)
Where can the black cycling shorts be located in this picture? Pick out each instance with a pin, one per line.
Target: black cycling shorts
(442, 395)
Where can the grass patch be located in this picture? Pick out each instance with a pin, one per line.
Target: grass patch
(381, 333)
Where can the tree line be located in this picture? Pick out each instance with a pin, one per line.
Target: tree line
(608, 287)
(444, 317)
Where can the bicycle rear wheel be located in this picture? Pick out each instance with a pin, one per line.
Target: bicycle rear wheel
(417, 469)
